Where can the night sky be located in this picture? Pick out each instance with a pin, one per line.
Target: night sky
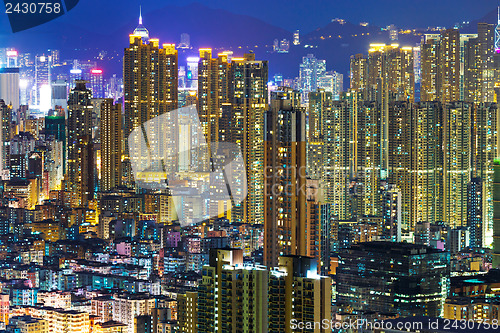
(305, 15)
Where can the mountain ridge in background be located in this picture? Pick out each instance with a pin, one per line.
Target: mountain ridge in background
(218, 29)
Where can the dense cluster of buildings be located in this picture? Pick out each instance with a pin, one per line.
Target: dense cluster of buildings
(378, 202)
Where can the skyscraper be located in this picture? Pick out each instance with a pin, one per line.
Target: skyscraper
(311, 69)
(150, 84)
(319, 106)
(443, 60)
(475, 214)
(399, 159)
(232, 98)
(79, 145)
(272, 299)
(457, 162)
(391, 213)
(42, 82)
(213, 91)
(111, 144)
(359, 73)
(496, 214)
(368, 167)
(485, 148)
(96, 83)
(427, 163)
(248, 92)
(390, 73)
(55, 125)
(339, 138)
(479, 73)
(429, 70)
(9, 86)
(486, 33)
(332, 82)
(5, 134)
(285, 175)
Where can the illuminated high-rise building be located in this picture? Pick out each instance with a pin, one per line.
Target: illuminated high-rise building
(368, 164)
(9, 58)
(319, 105)
(399, 155)
(96, 83)
(42, 82)
(386, 76)
(496, 214)
(332, 82)
(5, 135)
(213, 92)
(232, 98)
(298, 295)
(448, 66)
(114, 88)
(417, 70)
(485, 148)
(55, 125)
(86, 161)
(9, 86)
(391, 213)
(457, 149)
(55, 55)
(390, 73)
(79, 145)
(311, 69)
(111, 144)
(475, 214)
(443, 58)
(248, 92)
(285, 175)
(427, 163)
(274, 298)
(429, 70)
(150, 84)
(393, 32)
(192, 72)
(226, 276)
(59, 94)
(359, 73)
(315, 241)
(479, 73)
(339, 139)
(74, 74)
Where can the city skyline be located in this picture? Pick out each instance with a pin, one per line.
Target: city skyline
(313, 14)
(196, 188)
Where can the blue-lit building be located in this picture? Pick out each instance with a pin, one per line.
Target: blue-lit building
(388, 277)
(475, 212)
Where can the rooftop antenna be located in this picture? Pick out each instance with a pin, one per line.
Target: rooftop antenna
(140, 14)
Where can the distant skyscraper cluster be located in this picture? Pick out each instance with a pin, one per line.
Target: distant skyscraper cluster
(436, 150)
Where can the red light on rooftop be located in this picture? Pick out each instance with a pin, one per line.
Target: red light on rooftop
(96, 71)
